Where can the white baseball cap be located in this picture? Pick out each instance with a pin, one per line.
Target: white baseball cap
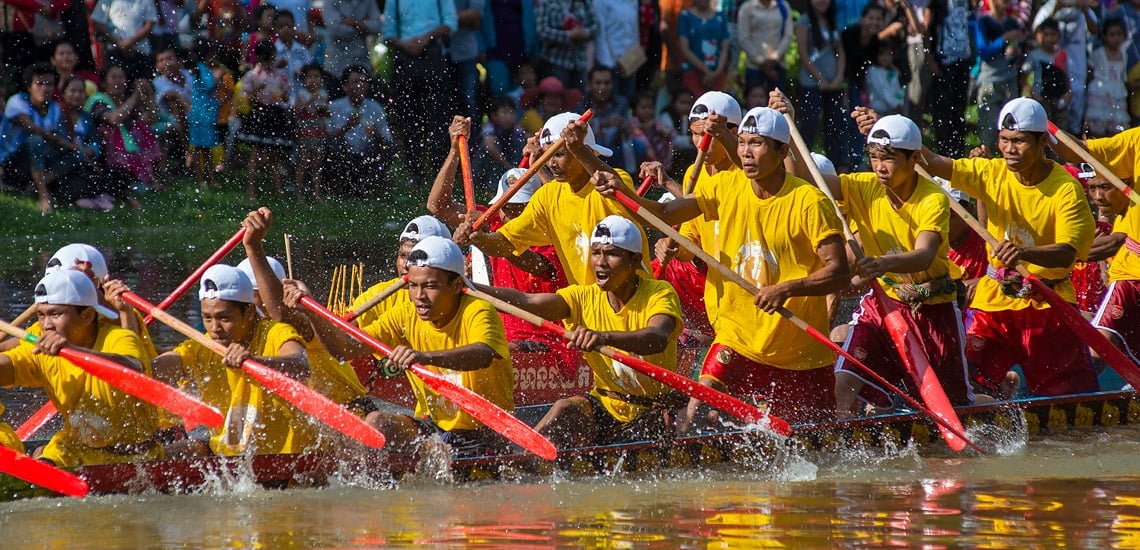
(1023, 114)
(619, 232)
(826, 167)
(224, 282)
(440, 253)
(247, 269)
(896, 131)
(552, 130)
(524, 193)
(716, 102)
(766, 122)
(423, 227)
(68, 287)
(72, 255)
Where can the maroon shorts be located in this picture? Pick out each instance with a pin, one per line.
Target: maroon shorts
(1119, 313)
(793, 395)
(938, 329)
(1053, 358)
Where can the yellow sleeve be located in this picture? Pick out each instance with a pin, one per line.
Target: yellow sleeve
(933, 214)
(120, 341)
(1118, 152)
(708, 199)
(1075, 225)
(531, 228)
(820, 220)
(388, 327)
(971, 175)
(572, 295)
(849, 188)
(484, 325)
(664, 301)
(25, 366)
(690, 230)
(279, 333)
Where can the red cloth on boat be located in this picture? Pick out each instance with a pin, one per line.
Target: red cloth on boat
(793, 395)
(939, 331)
(970, 255)
(1120, 313)
(689, 282)
(1088, 278)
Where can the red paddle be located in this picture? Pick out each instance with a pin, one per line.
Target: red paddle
(132, 382)
(465, 167)
(798, 322)
(36, 422)
(720, 400)
(481, 408)
(552, 150)
(910, 349)
(42, 474)
(297, 394)
(197, 274)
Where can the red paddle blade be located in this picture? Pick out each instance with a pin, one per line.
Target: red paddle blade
(313, 403)
(918, 366)
(490, 414)
(1095, 340)
(710, 396)
(193, 411)
(36, 422)
(39, 473)
(483, 410)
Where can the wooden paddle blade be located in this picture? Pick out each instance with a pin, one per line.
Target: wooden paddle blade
(490, 414)
(41, 474)
(313, 403)
(918, 366)
(1095, 340)
(193, 411)
(701, 392)
(36, 422)
(197, 274)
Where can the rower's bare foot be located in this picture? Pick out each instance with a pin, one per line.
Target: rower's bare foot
(44, 204)
(1010, 385)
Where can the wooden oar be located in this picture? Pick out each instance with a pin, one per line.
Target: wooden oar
(480, 407)
(197, 274)
(1097, 165)
(41, 474)
(910, 350)
(37, 421)
(552, 150)
(295, 393)
(733, 276)
(465, 168)
(22, 319)
(717, 399)
(132, 382)
(1068, 313)
(288, 255)
(371, 303)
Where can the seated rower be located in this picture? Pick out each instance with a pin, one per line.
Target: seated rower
(418, 229)
(1118, 316)
(256, 421)
(622, 309)
(100, 423)
(444, 330)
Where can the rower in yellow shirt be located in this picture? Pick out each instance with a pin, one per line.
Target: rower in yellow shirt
(622, 309)
(101, 424)
(1042, 216)
(780, 233)
(564, 210)
(8, 437)
(416, 230)
(256, 421)
(446, 331)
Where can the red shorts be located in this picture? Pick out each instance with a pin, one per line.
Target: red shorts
(1119, 313)
(938, 329)
(793, 395)
(1053, 358)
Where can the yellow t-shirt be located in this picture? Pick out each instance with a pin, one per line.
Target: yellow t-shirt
(256, 420)
(95, 414)
(368, 317)
(769, 241)
(1118, 153)
(333, 379)
(557, 215)
(476, 322)
(887, 230)
(1054, 211)
(8, 437)
(1126, 264)
(706, 233)
(590, 307)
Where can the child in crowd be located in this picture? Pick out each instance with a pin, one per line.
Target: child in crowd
(703, 33)
(501, 145)
(264, 29)
(652, 139)
(311, 107)
(268, 128)
(526, 77)
(882, 80)
(755, 95)
(203, 117)
(292, 55)
(1045, 71)
(675, 115)
(224, 93)
(1106, 113)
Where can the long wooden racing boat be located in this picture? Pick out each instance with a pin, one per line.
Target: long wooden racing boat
(1018, 418)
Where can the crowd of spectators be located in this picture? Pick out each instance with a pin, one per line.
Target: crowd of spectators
(109, 98)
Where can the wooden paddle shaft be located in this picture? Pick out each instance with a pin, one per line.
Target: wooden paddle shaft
(371, 303)
(698, 164)
(1101, 170)
(22, 319)
(530, 173)
(288, 255)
